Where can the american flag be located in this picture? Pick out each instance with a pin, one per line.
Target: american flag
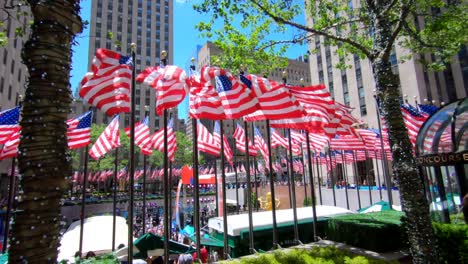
(428, 109)
(9, 123)
(368, 137)
(236, 99)
(158, 140)
(142, 136)
(261, 145)
(298, 137)
(413, 120)
(79, 130)
(275, 100)
(217, 137)
(239, 135)
(206, 141)
(347, 143)
(109, 139)
(318, 141)
(108, 85)
(10, 148)
(277, 139)
(205, 102)
(170, 83)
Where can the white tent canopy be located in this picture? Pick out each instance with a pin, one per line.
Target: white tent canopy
(97, 236)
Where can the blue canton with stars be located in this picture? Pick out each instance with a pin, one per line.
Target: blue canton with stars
(85, 120)
(126, 60)
(428, 109)
(223, 84)
(412, 110)
(246, 81)
(10, 116)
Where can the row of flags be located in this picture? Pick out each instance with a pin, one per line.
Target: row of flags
(79, 135)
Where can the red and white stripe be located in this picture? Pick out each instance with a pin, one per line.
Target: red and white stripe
(108, 140)
(239, 136)
(170, 83)
(142, 137)
(204, 101)
(347, 143)
(206, 141)
(158, 141)
(10, 148)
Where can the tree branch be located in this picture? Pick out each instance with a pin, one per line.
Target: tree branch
(281, 20)
(279, 42)
(404, 12)
(416, 37)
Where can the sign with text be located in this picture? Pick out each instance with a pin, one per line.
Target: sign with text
(443, 159)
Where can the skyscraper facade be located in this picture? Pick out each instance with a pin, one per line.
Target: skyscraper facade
(355, 85)
(115, 25)
(13, 73)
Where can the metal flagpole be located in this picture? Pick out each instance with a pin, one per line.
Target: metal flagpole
(331, 175)
(356, 178)
(367, 176)
(114, 196)
(223, 183)
(345, 175)
(83, 199)
(235, 173)
(378, 175)
(196, 191)
(166, 178)
(170, 184)
(249, 190)
(293, 190)
(384, 158)
(11, 194)
(255, 168)
(216, 186)
(272, 187)
(312, 189)
(303, 172)
(143, 209)
(290, 173)
(132, 159)
(318, 176)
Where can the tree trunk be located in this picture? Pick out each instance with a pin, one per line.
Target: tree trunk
(414, 202)
(44, 164)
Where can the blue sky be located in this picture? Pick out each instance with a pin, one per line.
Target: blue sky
(186, 37)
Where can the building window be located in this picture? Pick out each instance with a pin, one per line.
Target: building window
(2, 82)
(9, 92)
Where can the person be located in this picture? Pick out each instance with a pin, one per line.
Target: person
(203, 255)
(90, 254)
(185, 258)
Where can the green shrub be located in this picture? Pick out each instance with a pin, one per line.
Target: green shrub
(452, 242)
(316, 255)
(367, 230)
(307, 201)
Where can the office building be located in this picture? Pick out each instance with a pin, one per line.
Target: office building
(13, 73)
(147, 23)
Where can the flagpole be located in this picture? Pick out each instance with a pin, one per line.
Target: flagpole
(216, 186)
(83, 199)
(166, 177)
(356, 178)
(132, 158)
(11, 194)
(378, 175)
(249, 190)
(143, 210)
(196, 191)
(170, 183)
(290, 172)
(235, 172)
(304, 172)
(223, 183)
(293, 190)
(318, 175)
(114, 198)
(384, 163)
(255, 168)
(312, 188)
(331, 174)
(345, 177)
(367, 176)
(272, 187)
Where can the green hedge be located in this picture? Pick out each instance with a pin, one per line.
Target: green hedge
(377, 231)
(452, 242)
(316, 255)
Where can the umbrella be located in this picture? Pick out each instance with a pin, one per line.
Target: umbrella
(376, 207)
(151, 244)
